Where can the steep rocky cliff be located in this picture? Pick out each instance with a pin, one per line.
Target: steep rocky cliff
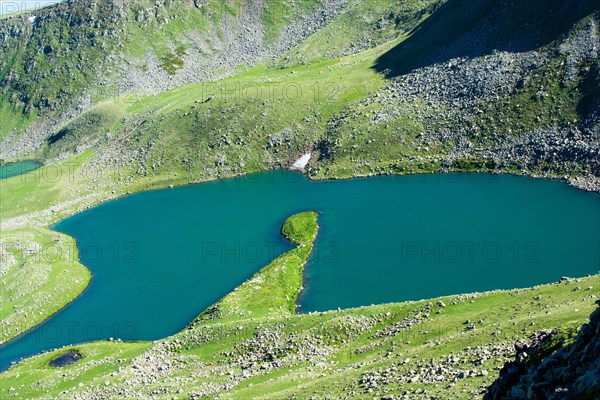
(544, 369)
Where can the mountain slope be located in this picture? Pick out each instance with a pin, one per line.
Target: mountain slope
(78, 53)
(484, 99)
(460, 28)
(511, 89)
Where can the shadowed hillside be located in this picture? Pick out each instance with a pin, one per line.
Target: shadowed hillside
(465, 28)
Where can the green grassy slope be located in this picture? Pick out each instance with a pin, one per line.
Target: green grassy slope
(79, 50)
(273, 115)
(380, 135)
(311, 100)
(40, 274)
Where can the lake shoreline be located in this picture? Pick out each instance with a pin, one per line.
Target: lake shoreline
(299, 175)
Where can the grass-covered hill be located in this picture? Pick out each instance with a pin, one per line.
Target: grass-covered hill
(123, 96)
(59, 61)
(373, 87)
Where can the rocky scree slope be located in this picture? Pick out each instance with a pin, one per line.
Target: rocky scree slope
(534, 111)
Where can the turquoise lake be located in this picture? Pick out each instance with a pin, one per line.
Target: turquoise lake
(160, 258)
(18, 168)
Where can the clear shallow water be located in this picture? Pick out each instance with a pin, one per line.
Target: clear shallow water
(160, 258)
(18, 168)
